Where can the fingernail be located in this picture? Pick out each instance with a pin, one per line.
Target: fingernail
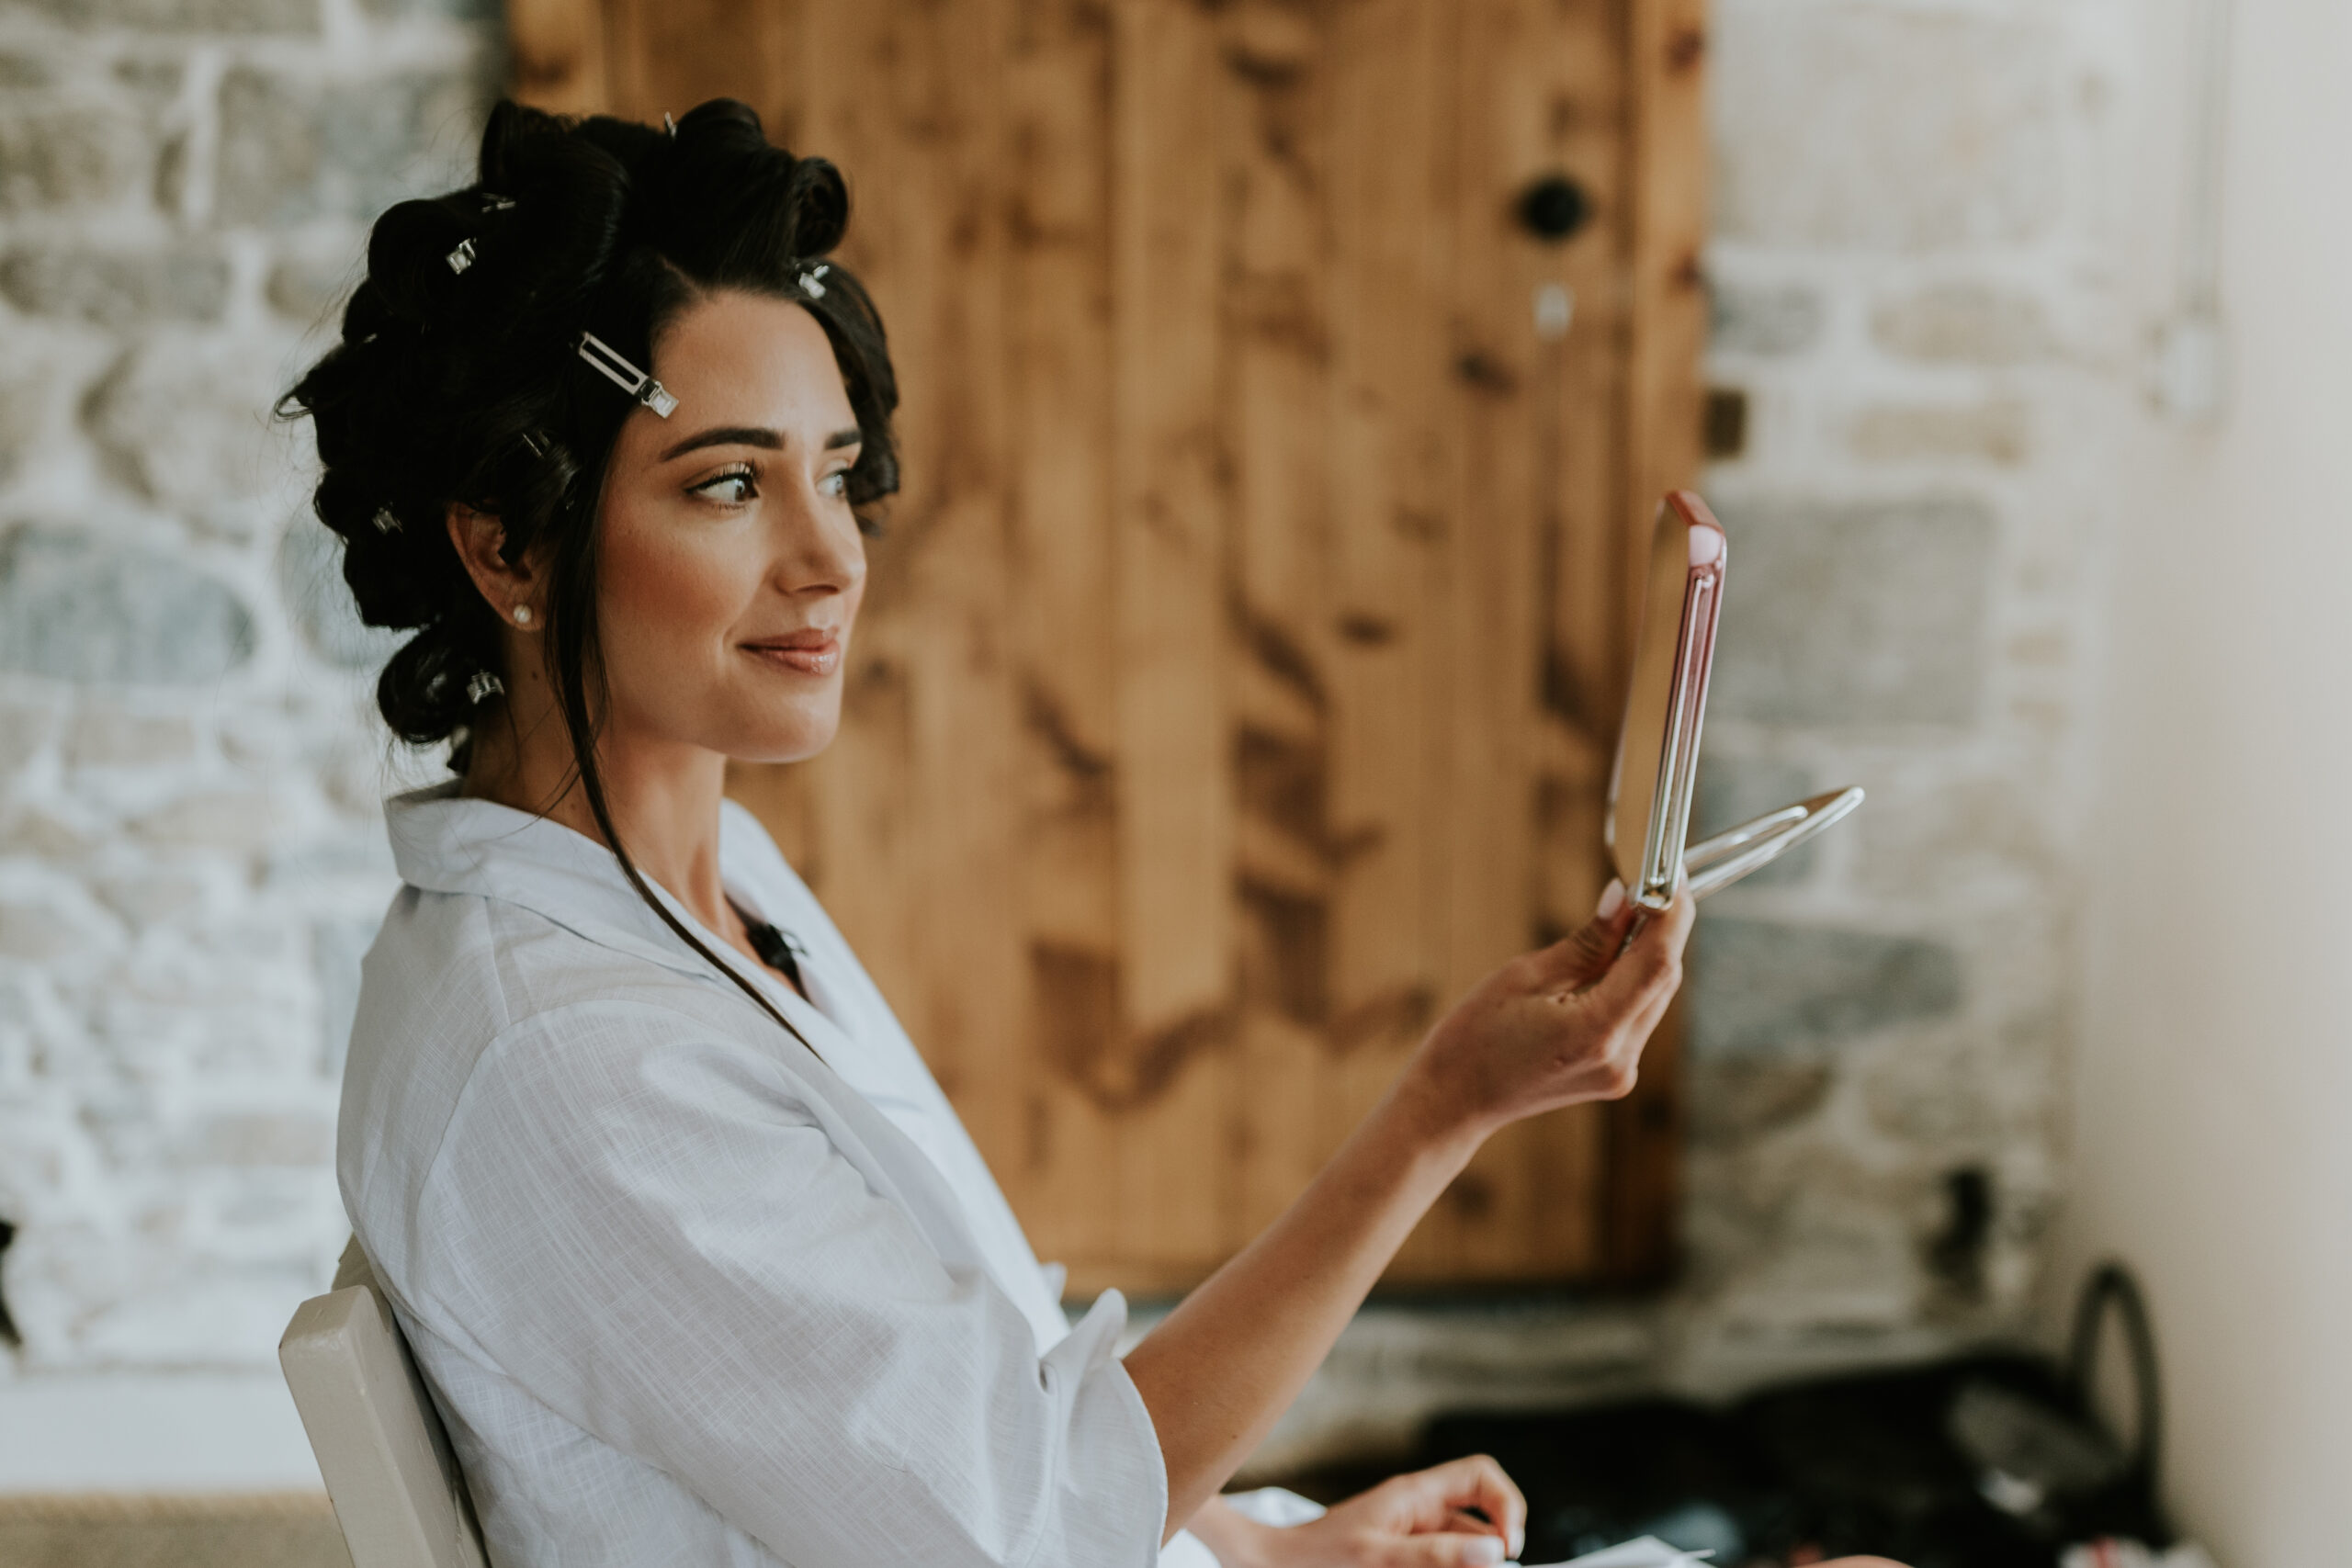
(1517, 1539)
(1612, 898)
(1483, 1552)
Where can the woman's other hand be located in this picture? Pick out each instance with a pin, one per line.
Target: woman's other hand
(1421, 1520)
(1558, 1026)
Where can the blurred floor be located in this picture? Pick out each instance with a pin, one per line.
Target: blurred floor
(282, 1531)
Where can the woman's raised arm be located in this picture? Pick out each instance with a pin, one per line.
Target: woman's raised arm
(1549, 1028)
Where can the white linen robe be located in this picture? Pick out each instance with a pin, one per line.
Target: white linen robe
(685, 1292)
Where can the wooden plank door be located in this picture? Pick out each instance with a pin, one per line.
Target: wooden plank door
(1240, 670)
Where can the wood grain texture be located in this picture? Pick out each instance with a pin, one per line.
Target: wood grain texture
(1054, 190)
(556, 53)
(1393, 483)
(1240, 668)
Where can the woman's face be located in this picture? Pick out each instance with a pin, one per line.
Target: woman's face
(730, 567)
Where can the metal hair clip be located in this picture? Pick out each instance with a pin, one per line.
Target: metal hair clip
(496, 203)
(610, 364)
(462, 257)
(482, 686)
(668, 124)
(539, 447)
(385, 522)
(813, 282)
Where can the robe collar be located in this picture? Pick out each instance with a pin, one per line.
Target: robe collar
(445, 843)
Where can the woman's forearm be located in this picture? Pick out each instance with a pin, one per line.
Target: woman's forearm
(1229, 1359)
(1546, 1030)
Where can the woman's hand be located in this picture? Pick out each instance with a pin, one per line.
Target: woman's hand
(1408, 1521)
(1558, 1026)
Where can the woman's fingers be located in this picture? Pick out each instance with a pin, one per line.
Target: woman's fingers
(1649, 969)
(1614, 1016)
(1585, 955)
(1536, 1034)
(1433, 1500)
(1438, 1551)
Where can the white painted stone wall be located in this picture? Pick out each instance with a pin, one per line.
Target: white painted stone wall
(191, 855)
(1920, 207)
(1917, 222)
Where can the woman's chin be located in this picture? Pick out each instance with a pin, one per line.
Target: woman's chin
(799, 737)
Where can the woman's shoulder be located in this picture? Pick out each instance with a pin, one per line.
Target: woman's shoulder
(467, 1001)
(460, 968)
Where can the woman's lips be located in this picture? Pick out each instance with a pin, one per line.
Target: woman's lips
(810, 652)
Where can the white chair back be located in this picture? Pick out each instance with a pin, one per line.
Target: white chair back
(395, 1485)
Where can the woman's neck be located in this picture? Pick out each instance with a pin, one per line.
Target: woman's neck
(662, 796)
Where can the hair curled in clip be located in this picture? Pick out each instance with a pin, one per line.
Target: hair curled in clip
(609, 363)
(425, 402)
(458, 385)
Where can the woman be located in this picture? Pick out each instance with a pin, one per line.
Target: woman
(698, 1262)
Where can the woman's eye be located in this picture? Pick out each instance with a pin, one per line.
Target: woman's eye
(733, 488)
(834, 484)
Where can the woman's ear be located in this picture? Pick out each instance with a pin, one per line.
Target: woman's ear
(512, 588)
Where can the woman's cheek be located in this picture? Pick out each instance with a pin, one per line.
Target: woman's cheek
(692, 580)
(665, 611)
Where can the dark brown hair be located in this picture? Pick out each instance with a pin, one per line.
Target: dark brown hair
(462, 384)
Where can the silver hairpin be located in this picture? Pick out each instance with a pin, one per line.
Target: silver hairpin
(491, 203)
(462, 257)
(539, 447)
(668, 124)
(385, 522)
(482, 686)
(813, 282)
(610, 364)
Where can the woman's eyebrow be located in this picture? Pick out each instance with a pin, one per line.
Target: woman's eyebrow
(749, 435)
(726, 435)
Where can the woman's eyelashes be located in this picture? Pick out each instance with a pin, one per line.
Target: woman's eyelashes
(740, 486)
(734, 487)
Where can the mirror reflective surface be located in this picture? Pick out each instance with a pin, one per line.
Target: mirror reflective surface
(1722, 860)
(1657, 749)
(1665, 705)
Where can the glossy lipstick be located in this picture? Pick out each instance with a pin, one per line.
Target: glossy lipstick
(813, 650)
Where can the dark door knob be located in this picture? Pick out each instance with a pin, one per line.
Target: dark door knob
(1553, 208)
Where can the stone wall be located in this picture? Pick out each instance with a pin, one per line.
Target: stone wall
(1915, 312)
(191, 855)
(1917, 296)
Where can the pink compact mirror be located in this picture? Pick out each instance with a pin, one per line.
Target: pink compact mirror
(1648, 820)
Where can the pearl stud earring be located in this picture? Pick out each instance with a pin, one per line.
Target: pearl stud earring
(521, 615)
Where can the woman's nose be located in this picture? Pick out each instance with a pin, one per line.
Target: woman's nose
(823, 549)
